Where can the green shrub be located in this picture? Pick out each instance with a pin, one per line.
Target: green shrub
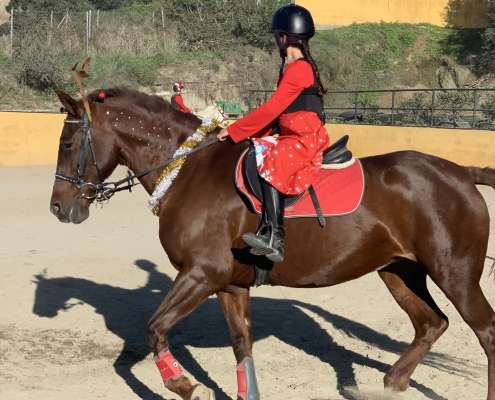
(115, 4)
(416, 110)
(368, 102)
(44, 5)
(489, 105)
(453, 101)
(41, 71)
(212, 24)
(124, 70)
(71, 5)
(142, 70)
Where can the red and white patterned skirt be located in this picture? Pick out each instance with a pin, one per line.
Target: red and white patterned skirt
(291, 162)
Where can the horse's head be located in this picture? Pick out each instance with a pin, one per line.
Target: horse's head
(87, 155)
(127, 127)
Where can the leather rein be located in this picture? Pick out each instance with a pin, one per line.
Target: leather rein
(104, 191)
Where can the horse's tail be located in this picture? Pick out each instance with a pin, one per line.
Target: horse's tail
(482, 176)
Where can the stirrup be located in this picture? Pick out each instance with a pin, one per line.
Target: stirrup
(273, 248)
(254, 241)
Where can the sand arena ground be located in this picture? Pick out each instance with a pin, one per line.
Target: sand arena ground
(72, 298)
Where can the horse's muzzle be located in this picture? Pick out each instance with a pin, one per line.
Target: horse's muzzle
(75, 213)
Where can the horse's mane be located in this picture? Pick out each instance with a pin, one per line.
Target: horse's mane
(147, 101)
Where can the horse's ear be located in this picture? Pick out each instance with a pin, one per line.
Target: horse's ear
(70, 105)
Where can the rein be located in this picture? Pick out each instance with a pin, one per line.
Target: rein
(104, 191)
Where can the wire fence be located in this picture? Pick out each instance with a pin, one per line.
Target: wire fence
(212, 24)
(91, 31)
(470, 108)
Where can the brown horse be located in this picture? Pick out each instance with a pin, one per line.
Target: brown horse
(420, 216)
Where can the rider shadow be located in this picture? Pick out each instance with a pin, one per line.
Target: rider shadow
(127, 311)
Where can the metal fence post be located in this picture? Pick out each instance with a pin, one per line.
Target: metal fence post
(163, 24)
(393, 108)
(12, 32)
(356, 94)
(475, 108)
(51, 29)
(432, 106)
(87, 32)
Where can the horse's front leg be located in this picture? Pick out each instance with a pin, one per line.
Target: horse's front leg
(237, 309)
(189, 290)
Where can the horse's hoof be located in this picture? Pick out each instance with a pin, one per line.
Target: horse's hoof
(396, 384)
(202, 393)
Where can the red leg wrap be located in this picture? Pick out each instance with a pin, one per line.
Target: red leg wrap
(241, 382)
(168, 366)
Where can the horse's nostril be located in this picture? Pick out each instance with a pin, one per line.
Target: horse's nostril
(55, 208)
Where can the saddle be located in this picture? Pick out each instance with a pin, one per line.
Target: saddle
(337, 156)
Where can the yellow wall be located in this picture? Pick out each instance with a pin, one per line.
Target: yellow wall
(465, 147)
(32, 139)
(455, 13)
(29, 138)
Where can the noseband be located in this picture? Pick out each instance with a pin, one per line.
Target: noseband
(103, 191)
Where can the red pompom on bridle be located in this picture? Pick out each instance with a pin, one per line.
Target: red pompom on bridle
(101, 96)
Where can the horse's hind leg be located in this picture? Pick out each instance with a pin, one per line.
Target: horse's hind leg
(406, 281)
(236, 307)
(461, 285)
(190, 289)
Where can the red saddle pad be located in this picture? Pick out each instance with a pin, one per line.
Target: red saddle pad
(340, 191)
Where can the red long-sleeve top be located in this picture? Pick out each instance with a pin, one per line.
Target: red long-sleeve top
(297, 76)
(180, 102)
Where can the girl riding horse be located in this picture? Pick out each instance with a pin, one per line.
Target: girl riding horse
(288, 163)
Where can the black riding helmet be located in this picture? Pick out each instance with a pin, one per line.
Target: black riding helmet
(293, 20)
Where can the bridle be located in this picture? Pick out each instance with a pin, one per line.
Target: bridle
(98, 189)
(103, 191)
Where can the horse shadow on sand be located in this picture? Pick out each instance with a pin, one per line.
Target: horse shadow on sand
(127, 311)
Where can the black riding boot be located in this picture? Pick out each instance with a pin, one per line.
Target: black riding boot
(269, 240)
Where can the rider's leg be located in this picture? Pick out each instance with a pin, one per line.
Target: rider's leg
(272, 243)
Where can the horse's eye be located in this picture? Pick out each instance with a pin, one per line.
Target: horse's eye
(67, 145)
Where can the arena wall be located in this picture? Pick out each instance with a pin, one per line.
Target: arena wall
(465, 147)
(454, 13)
(28, 139)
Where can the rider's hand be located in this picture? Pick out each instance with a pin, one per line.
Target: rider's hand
(223, 135)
